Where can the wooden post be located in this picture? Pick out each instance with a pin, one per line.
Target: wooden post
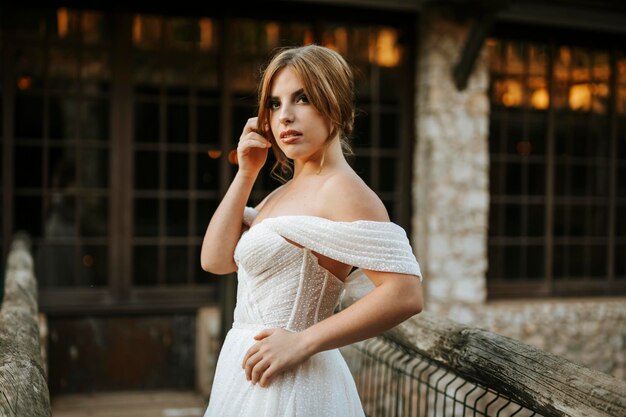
(23, 385)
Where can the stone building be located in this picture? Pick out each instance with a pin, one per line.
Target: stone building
(494, 132)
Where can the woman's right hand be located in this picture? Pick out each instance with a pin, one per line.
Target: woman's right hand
(252, 149)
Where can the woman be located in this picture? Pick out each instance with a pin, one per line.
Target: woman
(294, 251)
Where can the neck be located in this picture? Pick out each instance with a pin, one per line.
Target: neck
(333, 157)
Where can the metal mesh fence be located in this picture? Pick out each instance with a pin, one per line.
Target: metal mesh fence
(393, 381)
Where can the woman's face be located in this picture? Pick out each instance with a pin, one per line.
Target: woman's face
(300, 130)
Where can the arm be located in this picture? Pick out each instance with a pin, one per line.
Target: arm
(225, 227)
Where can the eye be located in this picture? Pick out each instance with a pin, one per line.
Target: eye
(302, 98)
(273, 104)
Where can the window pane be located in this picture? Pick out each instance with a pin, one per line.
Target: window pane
(28, 164)
(620, 262)
(95, 26)
(94, 121)
(177, 122)
(94, 169)
(145, 264)
(63, 69)
(146, 122)
(208, 124)
(204, 211)
(361, 136)
(177, 217)
(95, 71)
(29, 68)
(55, 265)
(208, 167)
(63, 120)
(29, 117)
(94, 266)
(146, 214)
(147, 170)
(362, 168)
(28, 215)
(60, 216)
(61, 168)
(388, 174)
(535, 262)
(176, 259)
(389, 126)
(177, 170)
(94, 216)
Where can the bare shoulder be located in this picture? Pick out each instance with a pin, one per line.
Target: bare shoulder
(346, 197)
(270, 195)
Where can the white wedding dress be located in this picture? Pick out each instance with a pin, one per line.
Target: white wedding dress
(283, 285)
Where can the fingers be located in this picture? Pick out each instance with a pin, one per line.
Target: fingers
(254, 349)
(259, 370)
(264, 333)
(267, 377)
(251, 363)
(253, 139)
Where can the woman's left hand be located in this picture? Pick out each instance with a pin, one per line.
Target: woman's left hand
(276, 351)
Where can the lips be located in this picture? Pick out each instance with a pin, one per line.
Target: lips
(289, 136)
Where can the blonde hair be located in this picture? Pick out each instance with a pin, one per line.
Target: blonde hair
(329, 86)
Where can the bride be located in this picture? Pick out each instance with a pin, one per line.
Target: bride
(293, 252)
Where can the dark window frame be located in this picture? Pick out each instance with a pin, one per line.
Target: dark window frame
(499, 286)
(119, 296)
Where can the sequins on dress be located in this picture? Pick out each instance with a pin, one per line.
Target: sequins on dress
(283, 285)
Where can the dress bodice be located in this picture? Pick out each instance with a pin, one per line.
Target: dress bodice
(283, 285)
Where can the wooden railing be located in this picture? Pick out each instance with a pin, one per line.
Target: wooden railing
(432, 366)
(23, 386)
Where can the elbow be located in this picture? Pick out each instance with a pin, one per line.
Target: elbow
(416, 298)
(217, 268)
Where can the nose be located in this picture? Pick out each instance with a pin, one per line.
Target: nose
(286, 115)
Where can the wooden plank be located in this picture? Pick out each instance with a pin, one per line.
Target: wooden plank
(23, 386)
(130, 404)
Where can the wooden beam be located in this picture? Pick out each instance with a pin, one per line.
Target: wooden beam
(23, 386)
(473, 44)
(540, 381)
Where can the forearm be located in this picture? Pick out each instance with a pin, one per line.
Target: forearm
(385, 307)
(224, 229)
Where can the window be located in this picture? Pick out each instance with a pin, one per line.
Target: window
(557, 147)
(124, 137)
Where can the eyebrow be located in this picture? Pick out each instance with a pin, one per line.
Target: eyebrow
(295, 94)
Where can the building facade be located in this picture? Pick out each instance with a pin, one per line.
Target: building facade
(494, 134)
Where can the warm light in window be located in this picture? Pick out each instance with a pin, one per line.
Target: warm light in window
(206, 33)
(329, 42)
(272, 32)
(384, 50)
(88, 261)
(540, 99)
(24, 83)
(580, 97)
(137, 30)
(214, 153)
(512, 93)
(341, 40)
(524, 147)
(62, 22)
(308, 37)
(232, 157)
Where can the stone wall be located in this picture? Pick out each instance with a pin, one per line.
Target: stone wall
(590, 332)
(451, 186)
(451, 191)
